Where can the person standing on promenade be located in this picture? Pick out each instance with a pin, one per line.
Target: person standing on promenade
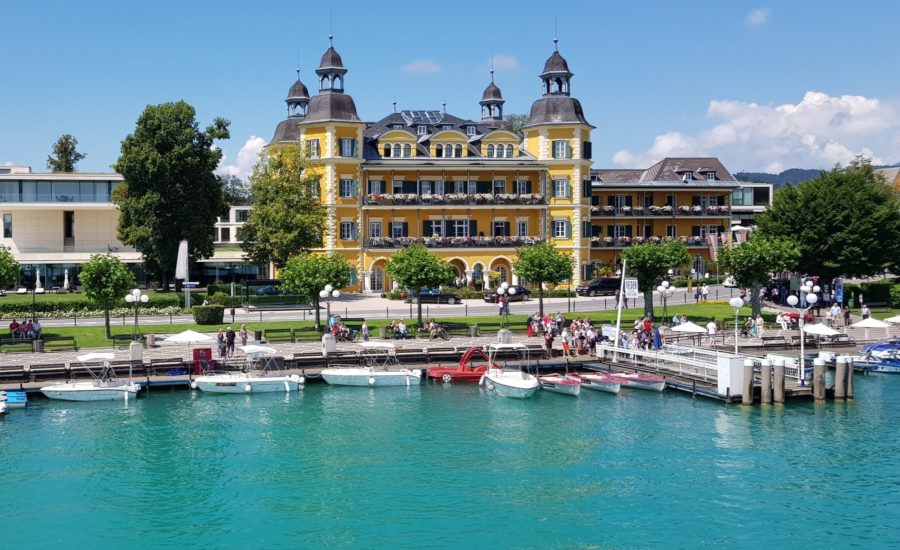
(229, 341)
(846, 316)
(500, 304)
(548, 343)
(711, 332)
(865, 312)
(220, 342)
(243, 334)
(835, 313)
(364, 329)
(760, 326)
(705, 292)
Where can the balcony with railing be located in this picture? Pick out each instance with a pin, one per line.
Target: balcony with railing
(462, 199)
(453, 242)
(683, 210)
(623, 242)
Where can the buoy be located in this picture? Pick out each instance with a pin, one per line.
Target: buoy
(447, 378)
(248, 388)
(371, 380)
(193, 385)
(301, 380)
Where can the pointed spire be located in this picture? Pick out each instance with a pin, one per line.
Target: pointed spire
(492, 64)
(556, 32)
(395, 103)
(444, 104)
(331, 28)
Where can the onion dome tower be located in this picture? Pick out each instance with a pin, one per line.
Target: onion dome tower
(331, 103)
(492, 102)
(298, 98)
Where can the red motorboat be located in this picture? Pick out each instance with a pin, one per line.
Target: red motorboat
(466, 371)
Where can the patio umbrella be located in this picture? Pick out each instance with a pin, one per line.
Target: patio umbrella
(871, 323)
(254, 348)
(895, 319)
(189, 337)
(690, 328)
(819, 330)
(96, 356)
(66, 279)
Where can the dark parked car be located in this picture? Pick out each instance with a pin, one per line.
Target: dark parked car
(603, 286)
(433, 296)
(520, 295)
(270, 290)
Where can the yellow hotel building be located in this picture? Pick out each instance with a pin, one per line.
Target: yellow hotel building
(471, 190)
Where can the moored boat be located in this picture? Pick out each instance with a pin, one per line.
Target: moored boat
(465, 371)
(560, 383)
(507, 382)
(886, 363)
(600, 382)
(267, 376)
(104, 387)
(640, 381)
(381, 369)
(3, 406)
(16, 399)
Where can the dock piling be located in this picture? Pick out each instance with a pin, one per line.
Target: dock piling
(840, 378)
(766, 377)
(819, 379)
(747, 386)
(778, 382)
(849, 376)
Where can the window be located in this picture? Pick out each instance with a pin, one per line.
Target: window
(438, 151)
(396, 186)
(225, 235)
(670, 231)
(397, 126)
(7, 226)
(459, 151)
(374, 230)
(688, 176)
(461, 228)
(760, 196)
(376, 186)
(711, 176)
(437, 228)
(422, 130)
(501, 229)
(446, 127)
(523, 187)
(398, 229)
(314, 149)
(470, 130)
(240, 216)
(396, 149)
(387, 150)
(522, 228)
(348, 231)
(562, 149)
(348, 189)
(622, 231)
(448, 151)
(490, 151)
(459, 187)
(561, 188)
(348, 147)
(472, 187)
(438, 188)
(499, 152)
(499, 186)
(407, 150)
(509, 151)
(561, 229)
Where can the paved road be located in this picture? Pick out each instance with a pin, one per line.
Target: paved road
(375, 307)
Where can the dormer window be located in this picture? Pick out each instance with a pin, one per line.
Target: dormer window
(422, 130)
(446, 127)
(687, 176)
(470, 130)
(711, 176)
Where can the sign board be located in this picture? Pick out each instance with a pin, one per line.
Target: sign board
(631, 288)
(190, 285)
(608, 331)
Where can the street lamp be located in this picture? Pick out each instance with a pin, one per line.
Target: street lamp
(811, 299)
(737, 303)
(505, 289)
(327, 294)
(666, 291)
(136, 297)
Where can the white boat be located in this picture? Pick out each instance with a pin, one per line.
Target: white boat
(640, 381)
(600, 382)
(505, 382)
(104, 387)
(887, 362)
(265, 378)
(381, 369)
(3, 406)
(560, 383)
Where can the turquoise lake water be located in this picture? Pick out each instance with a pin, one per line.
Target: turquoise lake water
(451, 467)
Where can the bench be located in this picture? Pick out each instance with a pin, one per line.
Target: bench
(12, 374)
(122, 341)
(878, 305)
(444, 354)
(306, 334)
(278, 335)
(163, 366)
(839, 340)
(774, 342)
(307, 360)
(60, 343)
(51, 371)
(16, 344)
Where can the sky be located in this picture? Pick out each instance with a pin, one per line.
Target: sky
(765, 86)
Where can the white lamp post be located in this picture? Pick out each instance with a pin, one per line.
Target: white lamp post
(136, 297)
(811, 299)
(505, 290)
(737, 304)
(327, 294)
(665, 292)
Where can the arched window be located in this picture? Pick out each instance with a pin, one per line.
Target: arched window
(387, 150)
(339, 83)
(499, 151)
(509, 151)
(438, 150)
(396, 149)
(490, 151)
(407, 150)
(458, 152)
(557, 85)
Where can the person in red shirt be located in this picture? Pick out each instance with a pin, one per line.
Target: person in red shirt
(14, 329)
(28, 329)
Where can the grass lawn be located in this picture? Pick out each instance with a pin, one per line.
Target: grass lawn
(95, 337)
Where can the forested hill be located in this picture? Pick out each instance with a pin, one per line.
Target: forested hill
(793, 175)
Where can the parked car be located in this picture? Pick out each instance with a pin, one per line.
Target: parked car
(270, 290)
(603, 286)
(433, 296)
(520, 295)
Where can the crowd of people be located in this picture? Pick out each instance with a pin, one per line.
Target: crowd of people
(226, 338)
(26, 329)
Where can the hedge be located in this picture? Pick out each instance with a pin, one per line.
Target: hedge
(895, 296)
(216, 288)
(209, 315)
(877, 292)
(82, 306)
(225, 300)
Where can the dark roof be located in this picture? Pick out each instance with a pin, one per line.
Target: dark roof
(673, 169)
(556, 64)
(287, 130)
(617, 176)
(324, 107)
(556, 110)
(331, 60)
(298, 91)
(491, 92)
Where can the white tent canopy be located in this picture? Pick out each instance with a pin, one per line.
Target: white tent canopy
(895, 319)
(254, 348)
(690, 328)
(96, 356)
(189, 337)
(820, 330)
(870, 323)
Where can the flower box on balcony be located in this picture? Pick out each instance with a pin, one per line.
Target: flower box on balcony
(696, 209)
(684, 209)
(638, 210)
(655, 240)
(665, 209)
(608, 210)
(607, 241)
(595, 210)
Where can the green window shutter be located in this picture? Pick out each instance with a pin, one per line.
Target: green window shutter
(568, 149)
(353, 192)
(353, 231)
(405, 229)
(568, 229)
(427, 230)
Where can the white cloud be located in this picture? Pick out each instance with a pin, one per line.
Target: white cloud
(421, 66)
(758, 17)
(246, 158)
(7, 163)
(503, 62)
(816, 132)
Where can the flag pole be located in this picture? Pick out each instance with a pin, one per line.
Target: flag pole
(619, 311)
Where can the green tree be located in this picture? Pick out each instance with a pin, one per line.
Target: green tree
(415, 267)
(105, 280)
(648, 262)
(306, 274)
(170, 192)
(287, 215)
(845, 222)
(237, 191)
(516, 122)
(751, 262)
(542, 263)
(9, 268)
(65, 155)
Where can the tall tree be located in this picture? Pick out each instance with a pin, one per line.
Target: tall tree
(9, 268)
(845, 222)
(751, 262)
(237, 191)
(542, 263)
(65, 155)
(516, 122)
(648, 262)
(306, 274)
(105, 280)
(170, 192)
(287, 215)
(415, 267)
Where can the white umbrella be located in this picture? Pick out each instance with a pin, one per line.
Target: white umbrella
(66, 279)
(871, 322)
(820, 330)
(254, 348)
(189, 337)
(690, 328)
(96, 356)
(895, 319)
(37, 281)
